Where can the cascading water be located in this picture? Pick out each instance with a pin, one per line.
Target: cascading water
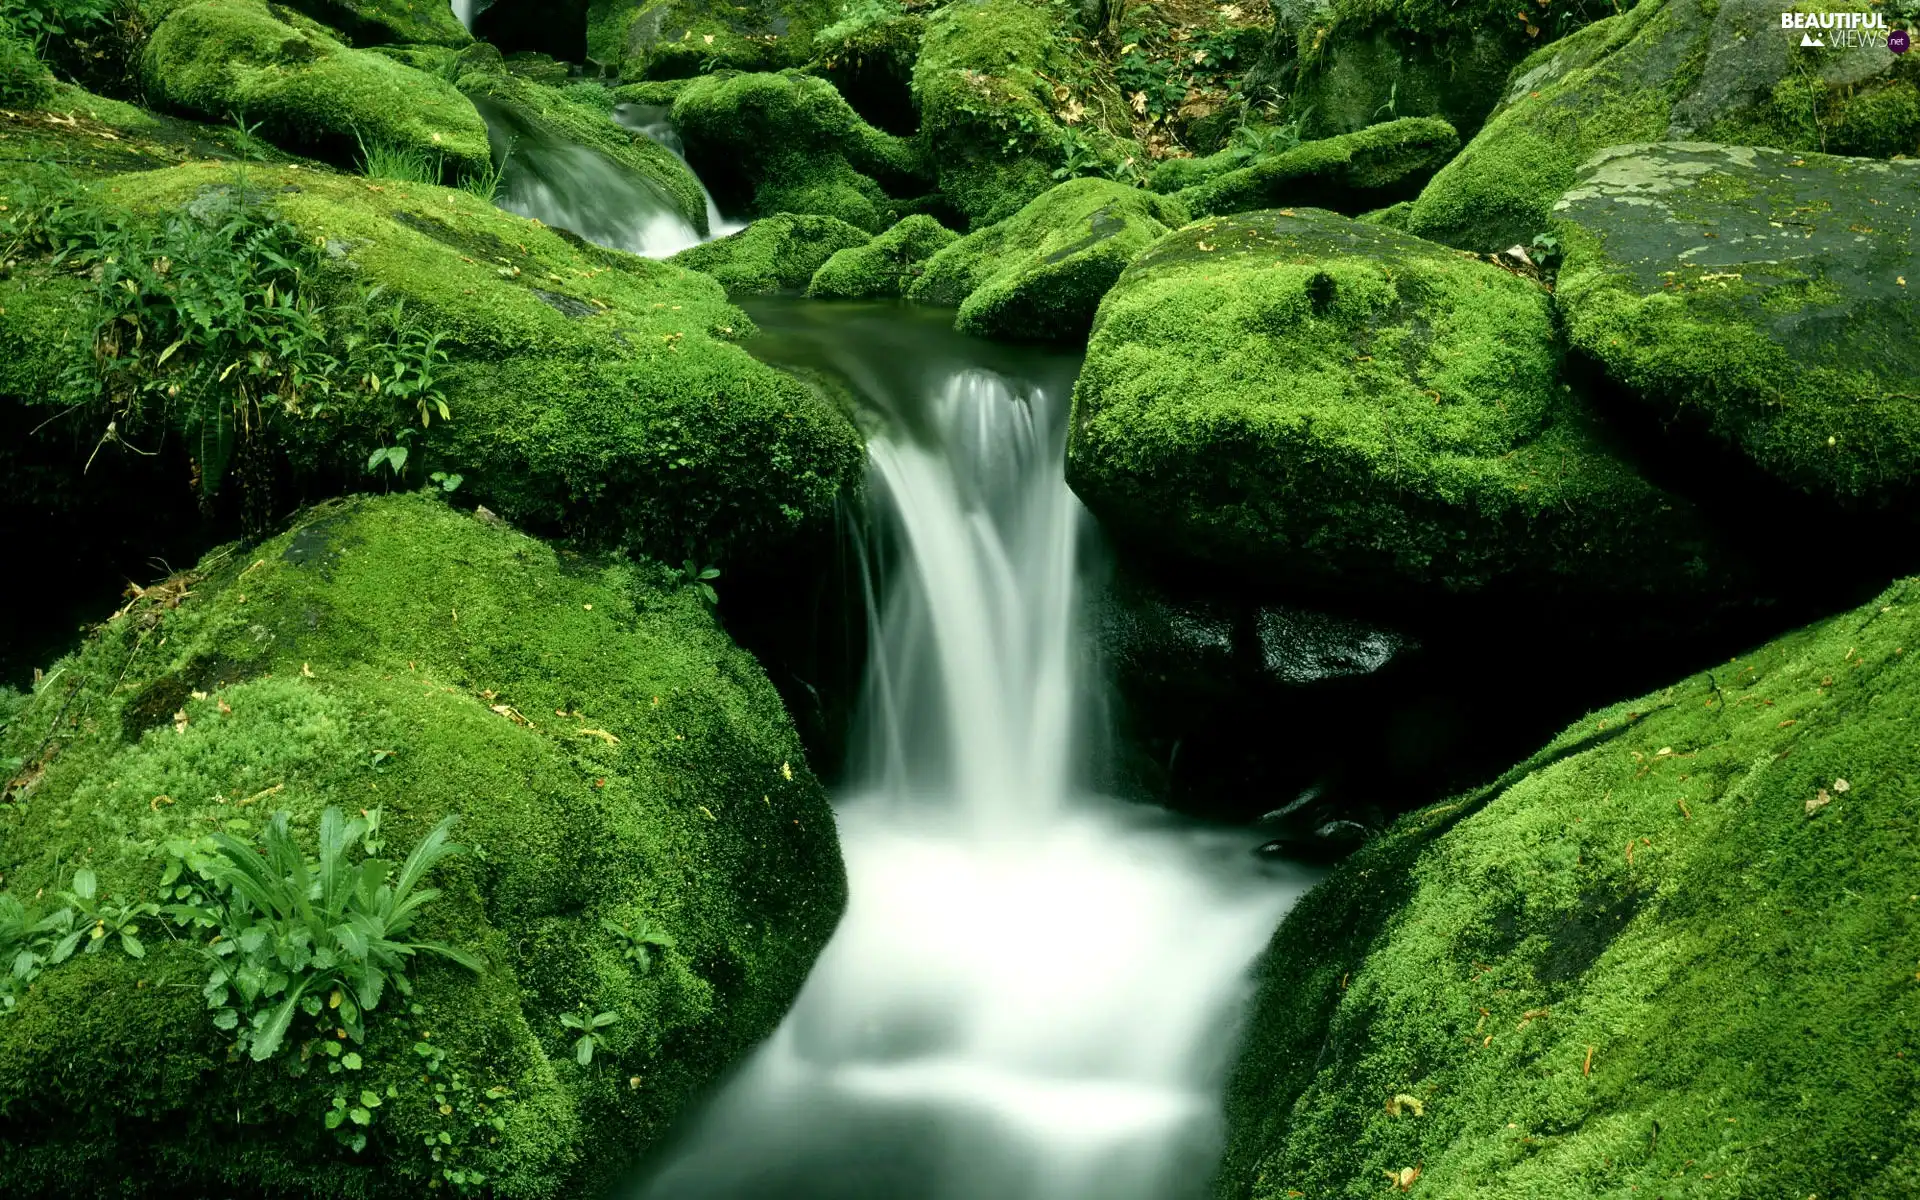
(651, 120)
(1034, 990)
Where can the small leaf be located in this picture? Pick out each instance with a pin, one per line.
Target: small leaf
(85, 883)
(351, 1061)
(583, 1050)
(132, 946)
(335, 1117)
(360, 1116)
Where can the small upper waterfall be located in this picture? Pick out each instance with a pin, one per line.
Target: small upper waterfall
(1034, 991)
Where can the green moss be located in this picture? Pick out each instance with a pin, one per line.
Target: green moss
(789, 143)
(1311, 401)
(549, 114)
(677, 39)
(1174, 174)
(659, 93)
(884, 267)
(25, 81)
(89, 135)
(1394, 216)
(774, 254)
(611, 755)
(307, 91)
(1760, 294)
(869, 56)
(412, 22)
(984, 83)
(434, 60)
(1379, 165)
(593, 392)
(1671, 954)
(1040, 273)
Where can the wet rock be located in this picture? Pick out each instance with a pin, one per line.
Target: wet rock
(889, 265)
(774, 254)
(1383, 164)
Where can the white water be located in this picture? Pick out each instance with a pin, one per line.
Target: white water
(1034, 991)
(463, 12)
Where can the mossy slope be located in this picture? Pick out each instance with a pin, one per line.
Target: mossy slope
(1761, 294)
(1664, 70)
(674, 39)
(886, 266)
(307, 91)
(610, 754)
(1380, 165)
(405, 22)
(1306, 400)
(773, 254)
(1670, 955)
(1040, 273)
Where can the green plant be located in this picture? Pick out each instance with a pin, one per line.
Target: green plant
(639, 941)
(854, 18)
(246, 141)
(1392, 106)
(468, 1116)
(46, 21)
(385, 160)
(693, 575)
(319, 936)
(446, 481)
(486, 182)
(588, 1024)
(28, 938)
(99, 920)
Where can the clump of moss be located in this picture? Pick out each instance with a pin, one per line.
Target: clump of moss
(985, 83)
(886, 266)
(25, 81)
(1310, 401)
(305, 89)
(868, 54)
(1040, 273)
(789, 143)
(677, 39)
(1669, 954)
(774, 254)
(1379, 165)
(409, 22)
(1760, 295)
(611, 757)
(581, 114)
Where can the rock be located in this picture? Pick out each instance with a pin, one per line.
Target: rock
(1377, 166)
(481, 58)
(1637, 928)
(1040, 273)
(25, 81)
(519, 108)
(774, 254)
(1667, 70)
(1307, 401)
(984, 84)
(1344, 64)
(591, 392)
(606, 749)
(1761, 295)
(306, 90)
(789, 143)
(886, 266)
(869, 55)
(674, 39)
(407, 22)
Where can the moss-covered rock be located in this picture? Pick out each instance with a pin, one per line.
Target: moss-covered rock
(1665, 70)
(520, 108)
(592, 392)
(774, 254)
(90, 135)
(868, 54)
(1761, 295)
(985, 84)
(788, 142)
(886, 266)
(1309, 401)
(1041, 272)
(1379, 165)
(408, 22)
(1344, 64)
(1670, 954)
(674, 39)
(25, 81)
(306, 90)
(610, 755)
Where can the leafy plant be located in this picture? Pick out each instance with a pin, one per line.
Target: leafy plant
(99, 920)
(319, 936)
(692, 574)
(468, 1116)
(28, 939)
(639, 941)
(246, 141)
(446, 481)
(381, 159)
(588, 1024)
(486, 182)
(48, 21)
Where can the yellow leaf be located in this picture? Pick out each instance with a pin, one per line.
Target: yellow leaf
(602, 734)
(1401, 1103)
(333, 1001)
(1819, 801)
(786, 772)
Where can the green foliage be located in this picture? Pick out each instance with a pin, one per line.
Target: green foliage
(321, 936)
(692, 574)
(588, 1025)
(1350, 173)
(470, 1119)
(25, 81)
(389, 160)
(639, 940)
(773, 254)
(32, 940)
(44, 22)
(856, 17)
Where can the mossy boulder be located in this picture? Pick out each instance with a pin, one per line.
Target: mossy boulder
(1041, 272)
(88, 135)
(406, 22)
(788, 142)
(1670, 954)
(887, 265)
(774, 254)
(985, 83)
(1760, 295)
(592, 392)
(869, 54)
(1307, 401)
(306, 90)
(1380, 165)
(520, 110)
(610, 756)
(675, 39)
(25, 81)
(1665, 70)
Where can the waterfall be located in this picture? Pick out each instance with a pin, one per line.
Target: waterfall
(1034, 991)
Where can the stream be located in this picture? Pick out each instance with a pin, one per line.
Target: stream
(1035, 991)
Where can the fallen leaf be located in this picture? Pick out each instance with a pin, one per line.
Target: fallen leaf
(786, 772)
(306, 669)
(1403, 1179)
(1586, 1068)
(602, 734)
(1841, 785)
(1401, 1103)
(1819, 801)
